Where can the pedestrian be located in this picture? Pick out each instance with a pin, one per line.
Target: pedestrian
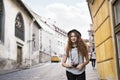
(93, 58)
(73, 60)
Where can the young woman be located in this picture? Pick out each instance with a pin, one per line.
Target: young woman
(73, 60)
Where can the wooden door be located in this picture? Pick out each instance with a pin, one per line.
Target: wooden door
(19, 55)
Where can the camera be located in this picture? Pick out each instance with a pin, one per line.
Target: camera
(75, 65)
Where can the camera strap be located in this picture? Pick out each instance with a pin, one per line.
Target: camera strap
(72, 59)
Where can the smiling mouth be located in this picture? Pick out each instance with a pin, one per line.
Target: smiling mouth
(73, 40)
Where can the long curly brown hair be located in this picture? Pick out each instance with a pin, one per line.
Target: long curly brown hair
(82, 48)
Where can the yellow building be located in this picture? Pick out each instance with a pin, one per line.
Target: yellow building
(105, 15)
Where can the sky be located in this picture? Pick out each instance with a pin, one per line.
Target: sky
(65, 14)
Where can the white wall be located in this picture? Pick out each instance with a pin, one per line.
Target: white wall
(46, 41)
(12, 8)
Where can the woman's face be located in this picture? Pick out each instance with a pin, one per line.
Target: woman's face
(73, 37)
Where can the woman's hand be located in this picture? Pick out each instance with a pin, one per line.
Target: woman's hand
(80, 66)
(70, 65)
(64, 62)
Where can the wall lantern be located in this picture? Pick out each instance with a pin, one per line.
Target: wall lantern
(33, 39)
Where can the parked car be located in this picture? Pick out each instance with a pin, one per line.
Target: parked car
(55, 59)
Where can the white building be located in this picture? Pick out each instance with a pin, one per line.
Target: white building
(19, 34)
(46, 38)
(53, 39)
(61, 39)
(91, 38)
(22, 39)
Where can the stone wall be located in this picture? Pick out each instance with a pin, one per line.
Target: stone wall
(7, 64)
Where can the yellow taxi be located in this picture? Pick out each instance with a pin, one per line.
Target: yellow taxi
(55, 59)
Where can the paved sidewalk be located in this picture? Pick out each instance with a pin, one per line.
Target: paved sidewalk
(19, 69)
(91, 74)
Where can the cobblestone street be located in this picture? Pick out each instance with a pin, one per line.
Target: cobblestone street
(47, 71)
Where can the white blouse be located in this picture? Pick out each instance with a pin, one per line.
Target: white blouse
(73, 57)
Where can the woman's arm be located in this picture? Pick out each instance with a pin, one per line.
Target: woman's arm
(64, 62)
(87, 60)
(80, 66)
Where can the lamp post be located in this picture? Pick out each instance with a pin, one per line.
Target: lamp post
(33, 37)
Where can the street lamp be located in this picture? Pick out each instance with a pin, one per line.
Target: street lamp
(33, 37)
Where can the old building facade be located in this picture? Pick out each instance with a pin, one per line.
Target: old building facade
(106, 21)
(18, 35)
(91, 38)
(61, 39)
(26, 39)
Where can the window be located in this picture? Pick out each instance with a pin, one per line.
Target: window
(118, 45)
(118, 48)
(116, 7)
(116, 14)
(19, 27)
